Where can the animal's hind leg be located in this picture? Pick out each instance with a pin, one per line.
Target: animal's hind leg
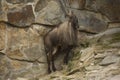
(53, 65)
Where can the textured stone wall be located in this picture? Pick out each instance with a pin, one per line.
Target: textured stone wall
(22, 50)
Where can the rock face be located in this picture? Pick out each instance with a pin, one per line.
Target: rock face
(109, 8)
(4, 67)
(22, 52)
(2, 36)
(51, 14)
(92, 22)
(77, 4)
(18, 1)
(21, 17)
(40, 5)
(0, 7)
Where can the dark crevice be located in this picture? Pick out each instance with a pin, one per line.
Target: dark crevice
(29, 61)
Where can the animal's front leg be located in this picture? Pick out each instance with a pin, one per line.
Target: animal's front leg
(49, 61)
(66, 58)
(67, 55)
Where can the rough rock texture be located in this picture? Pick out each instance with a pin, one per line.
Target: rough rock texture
(51, 14)
(40, 5)
(77, 4)
(90, 21)
(2, 36)
(109, 8)
(18, 1)
(22, 53)
(21, 17)
(0, 7)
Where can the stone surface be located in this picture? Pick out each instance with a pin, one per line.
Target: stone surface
(91, 22)
(51, 14)
(87, 53)
(33, 53)
(0, 7)
(77, 4)
(40, 5)
(4, 67)
(21, 17)
(2, 36)
(109, 8)
(27, 70)
(21, 79)
(25, 50)
(114, 25)
(117, 77)
(111, 59)
(99, 56)
(25, 45)
(18, 1)
(18, 39)
(36, 45)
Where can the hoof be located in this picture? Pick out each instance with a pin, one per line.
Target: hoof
(65, 62)
(54, 69)
(49, 71)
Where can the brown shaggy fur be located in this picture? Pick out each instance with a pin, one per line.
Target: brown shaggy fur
(63, 37)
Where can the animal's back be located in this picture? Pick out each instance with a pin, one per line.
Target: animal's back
(51, 38)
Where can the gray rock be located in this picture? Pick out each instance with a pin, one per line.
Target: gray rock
(109, 8)
(17, 39)
(40, 5)
(111, 59)
(77, 4)
(28, 70)
(0, 7)
(51, 14)
(117, 77)
(33, 53)
(90, 21)
(117, 45)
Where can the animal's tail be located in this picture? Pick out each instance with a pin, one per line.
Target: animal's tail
(27, 26)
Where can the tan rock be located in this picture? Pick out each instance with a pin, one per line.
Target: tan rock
(2, 36)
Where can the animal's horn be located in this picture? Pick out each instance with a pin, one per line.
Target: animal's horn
(70, 13)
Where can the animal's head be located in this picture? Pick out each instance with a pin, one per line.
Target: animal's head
(73, 19)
